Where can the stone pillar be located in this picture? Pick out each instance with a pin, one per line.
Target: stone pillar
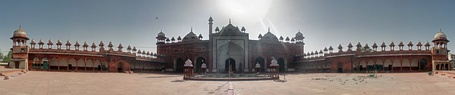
(58, 63)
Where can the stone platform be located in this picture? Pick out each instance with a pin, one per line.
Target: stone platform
(78, 83)
(234, 77)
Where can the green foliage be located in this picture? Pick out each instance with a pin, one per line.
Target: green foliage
(1, 56)
(7, 57)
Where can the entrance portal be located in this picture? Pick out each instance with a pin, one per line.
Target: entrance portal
(229, 63)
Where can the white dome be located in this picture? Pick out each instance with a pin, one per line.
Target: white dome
(20, 32)
(440, 36)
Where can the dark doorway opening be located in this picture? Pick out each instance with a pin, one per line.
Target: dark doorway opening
(70, 67)
(281, 63)
(261, 62)
(340, 67)
(229, 63)
(199, 62)
(16, 64)
(179, 65)
(423, 64)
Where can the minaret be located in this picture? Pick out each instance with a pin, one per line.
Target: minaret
(210, 25)
(439, 52)
(19, 50)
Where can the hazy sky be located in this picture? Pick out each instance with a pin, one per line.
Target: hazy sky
(134, 22)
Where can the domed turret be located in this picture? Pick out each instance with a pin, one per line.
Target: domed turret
(20, 33)
(440, 40)
(160, 38)
(299, 37)
(161, 34)
(440, 36)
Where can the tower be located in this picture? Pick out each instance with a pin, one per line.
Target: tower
(439, 52)
(19, 50)
(160, 40)
(299, 40)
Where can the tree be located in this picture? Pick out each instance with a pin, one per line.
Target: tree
(1, 56)
(7, 57)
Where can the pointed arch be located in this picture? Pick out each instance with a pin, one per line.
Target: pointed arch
(63, 64)
(396, 64)
(72, 64)
(406, 64)
(261, 62)
(388, 65)
(97, 64)
(415, 64)
(53, 64)
(199, 62)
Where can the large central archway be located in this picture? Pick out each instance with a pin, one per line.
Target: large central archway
(229, 63)
(230, 50)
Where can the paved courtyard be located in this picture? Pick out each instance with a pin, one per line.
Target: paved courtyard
(75, 83)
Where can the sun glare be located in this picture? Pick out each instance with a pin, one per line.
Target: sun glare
(244, 8)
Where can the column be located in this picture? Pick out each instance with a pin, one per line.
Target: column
(85, 62)
(77, 64)
(93, 65)
(401, 64)
(58, 63)
(101, 67)
(67, 64)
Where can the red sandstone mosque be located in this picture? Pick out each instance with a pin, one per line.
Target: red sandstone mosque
(228, 47)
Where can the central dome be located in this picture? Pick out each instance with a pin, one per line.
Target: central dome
(190, 36)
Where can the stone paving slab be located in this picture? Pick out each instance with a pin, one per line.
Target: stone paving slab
(75, 83)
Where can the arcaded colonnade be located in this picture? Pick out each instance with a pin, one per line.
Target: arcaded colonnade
(364, 59)
(75, 59)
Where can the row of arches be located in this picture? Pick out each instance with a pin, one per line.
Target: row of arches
(68, 64)
(403, 64)
(391, 65)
